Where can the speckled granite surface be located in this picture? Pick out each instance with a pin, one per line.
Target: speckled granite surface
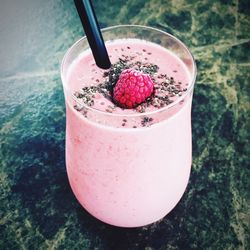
(37, 207)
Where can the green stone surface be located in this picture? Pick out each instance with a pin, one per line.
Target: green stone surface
(37, 207)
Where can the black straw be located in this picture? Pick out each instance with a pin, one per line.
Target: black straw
(89, 22)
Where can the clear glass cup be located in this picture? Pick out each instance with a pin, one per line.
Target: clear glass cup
(123, 176)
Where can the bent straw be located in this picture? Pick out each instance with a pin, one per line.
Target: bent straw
(90, 25)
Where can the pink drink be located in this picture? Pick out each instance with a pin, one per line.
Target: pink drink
(125, 167)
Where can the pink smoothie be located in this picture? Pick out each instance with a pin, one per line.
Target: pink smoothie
(129, 167)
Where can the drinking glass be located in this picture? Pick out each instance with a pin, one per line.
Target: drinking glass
(124, 176)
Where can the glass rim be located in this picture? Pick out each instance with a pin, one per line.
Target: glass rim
(169, 106)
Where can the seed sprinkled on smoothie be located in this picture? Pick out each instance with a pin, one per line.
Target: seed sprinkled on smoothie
(146, 120)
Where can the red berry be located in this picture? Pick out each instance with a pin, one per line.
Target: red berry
(132, 88)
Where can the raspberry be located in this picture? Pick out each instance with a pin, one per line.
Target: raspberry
(132, 88)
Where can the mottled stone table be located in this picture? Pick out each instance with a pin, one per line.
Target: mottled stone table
(37, 207)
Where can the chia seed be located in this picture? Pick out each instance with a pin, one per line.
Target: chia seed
(146, 121)
(105, 74)
(108, 110)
